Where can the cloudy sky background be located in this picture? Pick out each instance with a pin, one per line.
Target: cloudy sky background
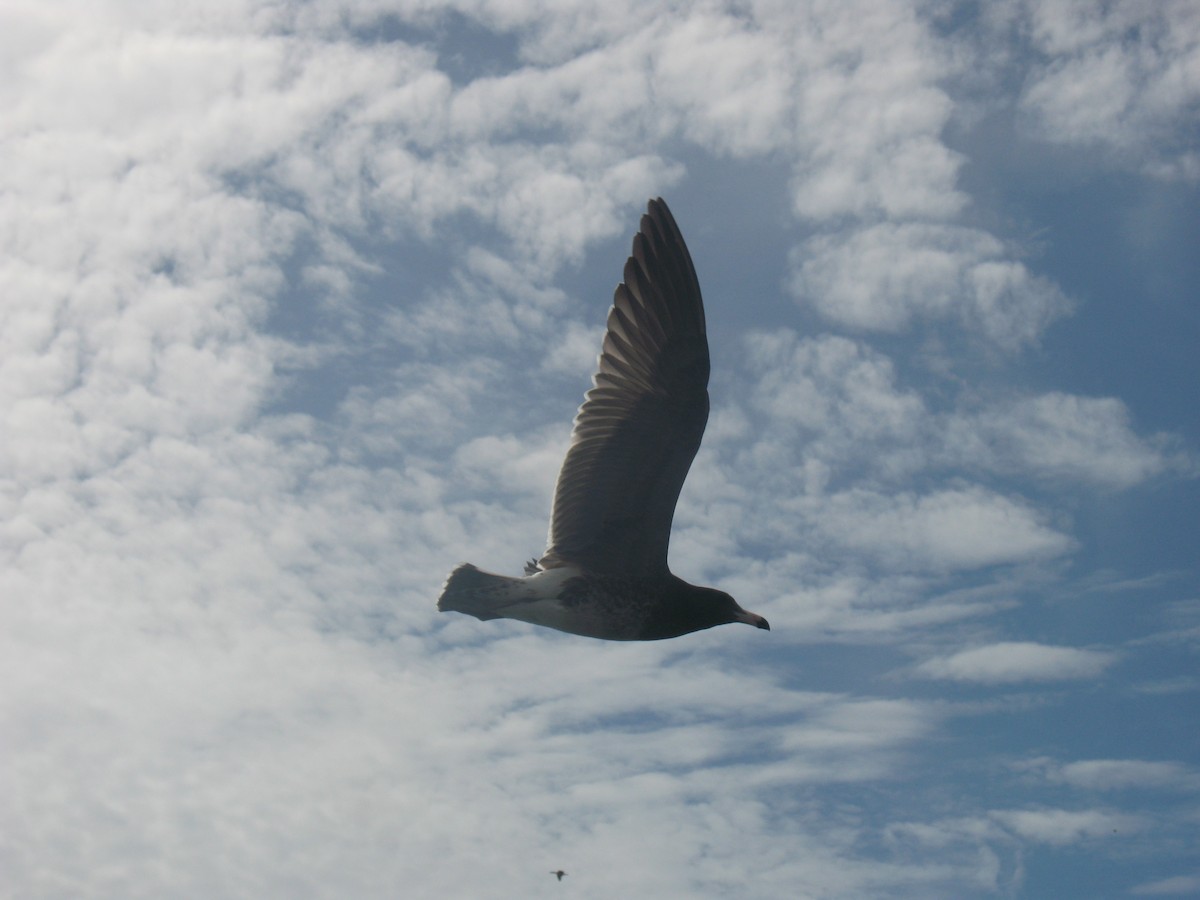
(297, 301)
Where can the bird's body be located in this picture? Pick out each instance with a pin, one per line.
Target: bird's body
(604, 573)
(611, 607)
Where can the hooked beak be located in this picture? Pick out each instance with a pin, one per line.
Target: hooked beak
(753, 619)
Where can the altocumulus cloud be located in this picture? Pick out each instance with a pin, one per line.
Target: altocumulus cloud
(1061, 826)
(1119, 774)
(1176, 886)
(1014, 661)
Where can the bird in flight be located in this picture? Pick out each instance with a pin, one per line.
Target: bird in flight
(560, 873)
(604, 573)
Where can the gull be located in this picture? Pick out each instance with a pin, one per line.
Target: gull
(604, 573)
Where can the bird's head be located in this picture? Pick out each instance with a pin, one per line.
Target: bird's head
(722, 609)
(688, 607)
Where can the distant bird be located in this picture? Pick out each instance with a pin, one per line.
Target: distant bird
(604, 573)
(560, 873)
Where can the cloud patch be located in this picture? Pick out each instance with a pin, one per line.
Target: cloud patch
(1059, 827)
(1121, 774)
(1175, 886)
(955, 528)
(1058, 436)
(1012, 662)
(887, 276)
(1120, 77)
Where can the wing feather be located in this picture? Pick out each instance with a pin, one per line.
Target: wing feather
(641, 423)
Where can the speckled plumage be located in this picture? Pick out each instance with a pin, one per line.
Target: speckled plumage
(604, 573)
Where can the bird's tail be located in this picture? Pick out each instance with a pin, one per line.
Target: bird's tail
(482, 594)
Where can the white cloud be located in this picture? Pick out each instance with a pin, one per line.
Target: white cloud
(830, 383)
(1115, 774)
(844, 404)
(882, 277)
(1118, 774)
(867, 732)
(1058, 435)
(1122, 76)
(869, 122)
(427, 406)
(838, 400)
(1176, 886)
(956, 528)
(492, 464)
(576, 351)
(1010, 662)
(1058, 827)
(731, 82)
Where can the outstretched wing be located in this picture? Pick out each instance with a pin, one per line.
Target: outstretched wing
(640, 425)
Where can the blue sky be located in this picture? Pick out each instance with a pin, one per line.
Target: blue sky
(299, 300)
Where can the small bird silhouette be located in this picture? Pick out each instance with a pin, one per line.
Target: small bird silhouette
(560, 873)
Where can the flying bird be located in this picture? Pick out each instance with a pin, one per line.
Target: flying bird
(604, 573)
(560, 873)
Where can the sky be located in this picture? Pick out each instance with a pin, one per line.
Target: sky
(298, 300)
